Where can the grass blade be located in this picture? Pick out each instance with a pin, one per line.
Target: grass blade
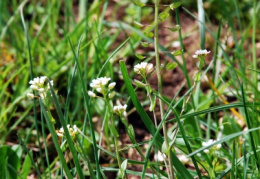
(55, 140)
(148, 123)
(87, 111)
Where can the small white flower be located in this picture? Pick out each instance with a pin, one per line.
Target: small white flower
(33, 87)
(111, 95)
(72, 131)
(41, 90)
(183, 159)
(91, 94)
(143, 68)
(99, 90)
(112, 85)
(99, 82)
(209, 142)
(119, 109)
(199, 53)
(30, 95)
(37, 84)
(159, 156)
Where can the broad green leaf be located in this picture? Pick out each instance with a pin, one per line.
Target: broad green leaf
(139, 3)
(26, 166)
(177, 52)
(175, 28)
(164, 15)
(138, 24)
(9, 162)
(175, 5)
(139, 56)
(148, 34)
(171, 66)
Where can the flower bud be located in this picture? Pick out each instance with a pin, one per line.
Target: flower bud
(30, 95)
(112, 85)
(112, 94)
(91, 94)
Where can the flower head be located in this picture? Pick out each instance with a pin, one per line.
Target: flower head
(99, 82)
(38, 84)
(72, 131)
(119, 110)
(209, 142)
(143, 68)
(200, 53)
(101, 86)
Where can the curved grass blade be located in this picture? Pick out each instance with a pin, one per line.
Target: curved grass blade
(157, 138)
(222, 140)
(252, 143)
(67, 134)
(212, 109)
(87, 111)
(55, 141)
(111, 56)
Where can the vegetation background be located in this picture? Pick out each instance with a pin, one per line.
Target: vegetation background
(74, 42)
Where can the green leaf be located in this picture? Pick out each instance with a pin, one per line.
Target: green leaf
(10, 162)
(157, 138)
(145, 44)
(164, 15)
(139, 56)
(139, 3)
(148, 34)
(153, 103)
(175, 28)
(123, 167)
(138, 24)
(171, 66)
(175, 5)
(26, 166)
(177, 52)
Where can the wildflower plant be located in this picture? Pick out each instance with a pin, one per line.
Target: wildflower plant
(200, 127)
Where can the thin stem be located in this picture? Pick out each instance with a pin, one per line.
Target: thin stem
(156, 48)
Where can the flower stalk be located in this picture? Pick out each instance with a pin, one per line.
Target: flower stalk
(157, 58)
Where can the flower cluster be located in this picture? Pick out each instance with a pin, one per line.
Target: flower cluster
(72, 130)
(38, 85)
(200, 53)
(143, 68)
(119, 110)
(209, 142)
(101, 86)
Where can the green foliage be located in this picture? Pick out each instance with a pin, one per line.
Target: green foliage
(219, 103)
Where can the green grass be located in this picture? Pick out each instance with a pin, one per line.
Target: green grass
(74, 42)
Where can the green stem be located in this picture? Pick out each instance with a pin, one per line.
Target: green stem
(156, 48)
(110, 112)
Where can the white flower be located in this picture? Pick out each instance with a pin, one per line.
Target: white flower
(30, 95)
(72, 131)
(199, 53)
(209, 142)
(159, 156)
(37, 84)
(183, 159)
(143, 68)
(112, 85)
(99, 82)
(91, 94)
(111, 95)
(119, 109)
